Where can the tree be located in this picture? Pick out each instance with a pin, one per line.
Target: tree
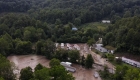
(91, 42)
(40, 34)
(48, 49)
(30, 34)
(77, 21)
(110, 57)
(89, 61)
(39, 45)
(127, 14)
(61, 54)
(120, 72)
(23, 47)
(9, 40)
(54, 62)
(18, 33)
(106, 75)
(58, 22)
(38, 67)
(6, 71)
(3, 27)
(74, 55)
(3, 46)
(42, 74)
(132, 74)
(59, 73)
(26, 73)
(83, 60)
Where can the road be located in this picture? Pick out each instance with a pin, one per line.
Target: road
(102, 61)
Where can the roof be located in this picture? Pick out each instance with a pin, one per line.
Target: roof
(62, 44)
(106, 21)
(130, 61)
(74, 29)
(100, 48)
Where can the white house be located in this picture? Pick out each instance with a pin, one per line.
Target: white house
(56, 44)
(68, 66)
(62, 45)
(131, 62)
(106, 21)
(69, 46)
(76, 47)
(74, 29)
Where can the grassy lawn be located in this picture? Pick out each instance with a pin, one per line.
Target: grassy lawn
(96, 25)
(109, 47)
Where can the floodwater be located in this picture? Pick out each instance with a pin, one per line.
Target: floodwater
(22, 61)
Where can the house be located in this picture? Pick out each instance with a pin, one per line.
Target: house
(131, 62)
(69, 46)
(106, 21)
(68, 66)
(74, 29)
(56, 44)
(62, 45)
(100, 48)
(66, 63)
(76, 47)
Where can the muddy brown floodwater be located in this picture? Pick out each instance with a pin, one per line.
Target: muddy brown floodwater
(22, 61)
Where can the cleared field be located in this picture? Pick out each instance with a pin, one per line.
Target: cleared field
(96, 25)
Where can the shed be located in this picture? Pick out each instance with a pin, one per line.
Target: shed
(74, 29)
(106, 21)
(62, 45)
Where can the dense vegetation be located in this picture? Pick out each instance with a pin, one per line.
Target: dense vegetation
(6, 69)
(32, 20)
(74, 11)
(56, 72)
(127, 35)
(122, 72)
(33, 27)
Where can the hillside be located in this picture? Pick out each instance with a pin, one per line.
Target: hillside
(75, 11)
(127, 35)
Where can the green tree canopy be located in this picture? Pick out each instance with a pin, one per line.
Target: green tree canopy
(59, 73)
(89, 61)
(6, 71)
(26, 73)
(42, 74)
(54, 62)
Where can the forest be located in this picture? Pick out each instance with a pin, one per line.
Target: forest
(127, 35)
(34, 26)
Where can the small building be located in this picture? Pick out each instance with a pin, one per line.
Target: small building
(56, 44)
(66, 63)
(68, 66)
(131, 62)
(100, 48)
(74, 29)
(76, 47)
(69, 46)
(62, 45)
(106, 21)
